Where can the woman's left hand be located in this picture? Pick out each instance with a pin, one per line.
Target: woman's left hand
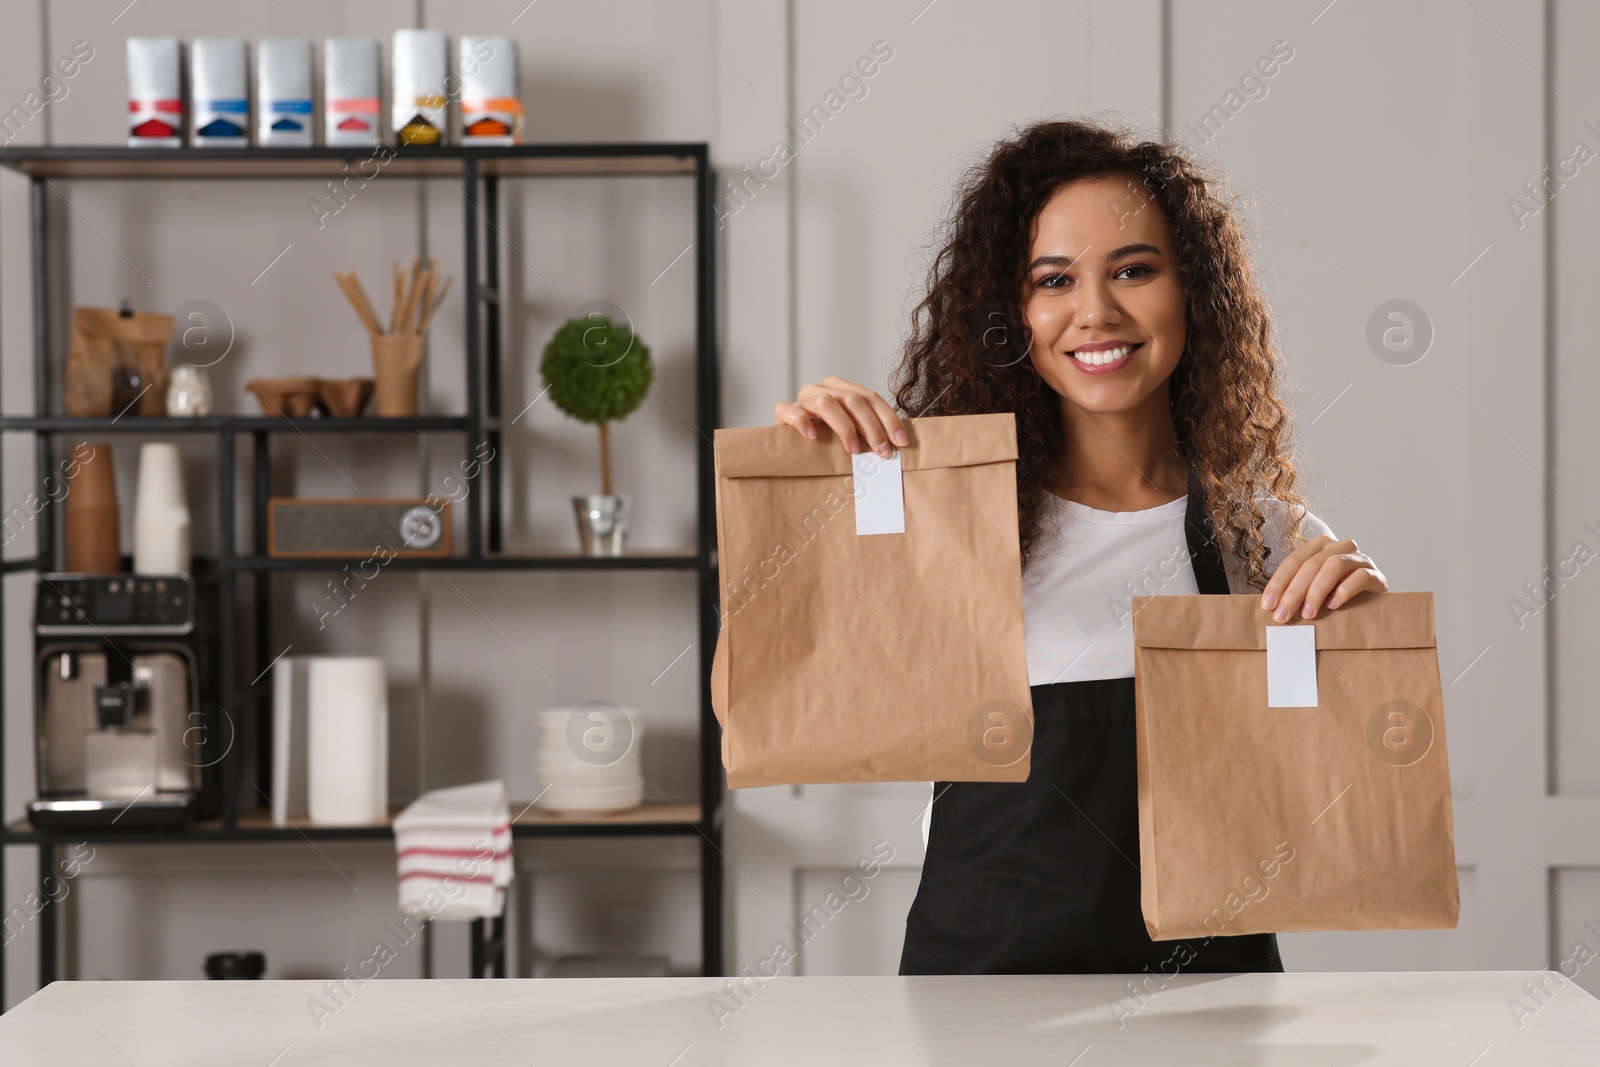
(1320, 571)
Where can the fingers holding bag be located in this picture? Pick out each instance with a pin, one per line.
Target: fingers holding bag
(1321, 572)
(858, 416)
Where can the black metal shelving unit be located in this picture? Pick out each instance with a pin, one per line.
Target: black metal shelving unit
(476, 173)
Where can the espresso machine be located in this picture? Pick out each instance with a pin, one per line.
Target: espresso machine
(126, 708)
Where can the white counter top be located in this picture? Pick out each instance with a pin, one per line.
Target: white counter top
(1413, 1018)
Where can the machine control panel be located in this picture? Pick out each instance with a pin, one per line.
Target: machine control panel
(114, 604)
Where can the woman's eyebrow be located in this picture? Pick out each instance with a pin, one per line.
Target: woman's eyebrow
(1115, 253)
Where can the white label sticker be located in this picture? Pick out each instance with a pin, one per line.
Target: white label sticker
(880, 496)
(1291, 667)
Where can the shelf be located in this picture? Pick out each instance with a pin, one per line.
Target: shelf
(140, 424)
(680, 560)
(674, 818)
(255, 824)
(131, 424)
(449, 161)
(359, 424)
(661, 560)
(242, 648)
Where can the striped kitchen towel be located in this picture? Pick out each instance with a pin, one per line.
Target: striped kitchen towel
(453, 849)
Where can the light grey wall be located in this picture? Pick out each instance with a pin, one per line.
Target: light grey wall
(1378, 165)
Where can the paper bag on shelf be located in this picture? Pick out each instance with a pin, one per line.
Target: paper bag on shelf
(872, 608)
(1294, 776)
(103, 338)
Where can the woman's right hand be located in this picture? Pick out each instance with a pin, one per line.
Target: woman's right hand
(853, 412)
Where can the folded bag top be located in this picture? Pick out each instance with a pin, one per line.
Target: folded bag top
(1239, 622)
(862, 657)
(937, 441)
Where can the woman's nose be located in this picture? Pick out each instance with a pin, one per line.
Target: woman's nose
(1097, 306)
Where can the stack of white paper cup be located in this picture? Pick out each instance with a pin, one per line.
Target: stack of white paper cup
(161, 513)
(347, 739)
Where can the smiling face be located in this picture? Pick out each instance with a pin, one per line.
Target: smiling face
(1102, 296)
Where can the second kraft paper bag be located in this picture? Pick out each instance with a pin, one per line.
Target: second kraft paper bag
(1291, 777)
(872, 609)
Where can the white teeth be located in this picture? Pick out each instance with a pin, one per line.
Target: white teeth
(1109, 355)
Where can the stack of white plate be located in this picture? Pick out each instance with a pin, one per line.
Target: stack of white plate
(588, 758)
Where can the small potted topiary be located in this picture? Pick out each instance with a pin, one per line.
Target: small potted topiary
(598, 371)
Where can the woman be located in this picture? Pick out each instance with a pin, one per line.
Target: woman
(1097, 287)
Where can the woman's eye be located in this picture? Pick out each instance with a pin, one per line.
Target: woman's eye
(1058, 281)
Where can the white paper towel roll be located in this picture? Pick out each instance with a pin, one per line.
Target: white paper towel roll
(347, 739)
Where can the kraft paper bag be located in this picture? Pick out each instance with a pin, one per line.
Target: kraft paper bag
(101, 339)
(1328, 812)
(872, 657)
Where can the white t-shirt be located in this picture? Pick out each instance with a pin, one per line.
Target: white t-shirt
(1077, 592)
(1076, 610)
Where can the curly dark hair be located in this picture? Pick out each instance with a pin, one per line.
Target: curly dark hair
(968, 351)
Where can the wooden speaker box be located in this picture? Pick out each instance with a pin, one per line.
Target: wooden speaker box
(320, 529)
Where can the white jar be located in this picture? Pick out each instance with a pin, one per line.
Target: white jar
(189, 393)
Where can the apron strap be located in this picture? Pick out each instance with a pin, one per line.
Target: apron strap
(1204, 556)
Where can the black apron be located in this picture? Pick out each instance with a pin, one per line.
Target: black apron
(1042, 876)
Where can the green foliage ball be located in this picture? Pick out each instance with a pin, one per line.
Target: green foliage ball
(596, 370)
